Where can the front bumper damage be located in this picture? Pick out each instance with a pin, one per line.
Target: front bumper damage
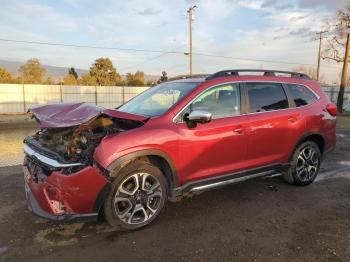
(55, 195)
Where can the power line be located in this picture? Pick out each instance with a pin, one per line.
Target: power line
(257, 60)
(253, 60)
(145, 61)
(87, 46)
(151, 51)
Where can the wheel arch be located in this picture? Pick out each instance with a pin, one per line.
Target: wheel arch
(155, 157)
(316, 137)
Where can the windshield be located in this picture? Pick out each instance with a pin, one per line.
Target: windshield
(157, 100)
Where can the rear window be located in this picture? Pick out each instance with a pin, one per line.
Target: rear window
(266, 97)
(302, 95)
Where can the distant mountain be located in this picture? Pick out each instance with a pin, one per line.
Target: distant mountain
(57, 72)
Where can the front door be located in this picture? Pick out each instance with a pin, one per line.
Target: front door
(217, 147)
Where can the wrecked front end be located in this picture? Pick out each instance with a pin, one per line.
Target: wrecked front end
(62, 180)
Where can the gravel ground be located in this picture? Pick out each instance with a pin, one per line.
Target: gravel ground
(259, 220)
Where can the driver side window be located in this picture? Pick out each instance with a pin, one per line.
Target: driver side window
(221, 101)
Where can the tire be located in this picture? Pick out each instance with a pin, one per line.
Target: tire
(304, 165)
(137, 196)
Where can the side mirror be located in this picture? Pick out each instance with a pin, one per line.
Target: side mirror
(198, 116)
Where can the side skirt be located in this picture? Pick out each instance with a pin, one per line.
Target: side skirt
(227, 179)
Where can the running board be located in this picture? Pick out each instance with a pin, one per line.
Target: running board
(231, 181)
(223, 180)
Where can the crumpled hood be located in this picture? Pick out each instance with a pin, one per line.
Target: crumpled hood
(73, 114)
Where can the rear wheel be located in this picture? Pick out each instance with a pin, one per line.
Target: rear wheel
(137, 197)
(305, 164)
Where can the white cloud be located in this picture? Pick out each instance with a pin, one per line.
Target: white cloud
(330, 5)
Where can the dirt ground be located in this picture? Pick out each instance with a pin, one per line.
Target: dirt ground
(259, 220)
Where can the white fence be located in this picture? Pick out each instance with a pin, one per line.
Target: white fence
(18, 98)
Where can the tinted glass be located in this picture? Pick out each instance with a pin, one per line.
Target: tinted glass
(220, 101)
(302, 96)
(157, 100)
(266, 97)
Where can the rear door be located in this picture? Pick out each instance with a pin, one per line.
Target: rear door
(272, 123)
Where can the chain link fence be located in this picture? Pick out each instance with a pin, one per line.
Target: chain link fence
(332, 93)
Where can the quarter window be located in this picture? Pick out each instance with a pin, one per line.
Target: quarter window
(302, 96)
(266, 97)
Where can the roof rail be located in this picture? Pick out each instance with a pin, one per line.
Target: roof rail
(236, 72)
(188, 76)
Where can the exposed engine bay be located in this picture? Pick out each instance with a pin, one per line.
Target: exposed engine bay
(70, 133)
(77, 143)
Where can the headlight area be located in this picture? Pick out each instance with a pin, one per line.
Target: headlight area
(62, 192)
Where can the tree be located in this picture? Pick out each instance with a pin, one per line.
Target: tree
(151, 83)
(140, 76)
(87, 80)
(49, 81)
(70, 80)
(104, 72)
(32, 72)
(122, 83)
(163, 78)
(72, 72)
(6, 77)
(336, 47)
(137, 79)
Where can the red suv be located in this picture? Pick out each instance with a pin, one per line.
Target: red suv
(176, 138)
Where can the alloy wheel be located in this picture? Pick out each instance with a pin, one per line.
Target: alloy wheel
(307, 164)
(138, 198)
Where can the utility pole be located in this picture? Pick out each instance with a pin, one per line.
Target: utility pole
(344, 76)
(319, 54)
(190, 17)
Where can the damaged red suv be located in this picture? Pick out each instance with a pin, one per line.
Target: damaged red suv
(177, 138)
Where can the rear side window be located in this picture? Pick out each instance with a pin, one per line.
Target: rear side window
(302, 95)
(266, 97)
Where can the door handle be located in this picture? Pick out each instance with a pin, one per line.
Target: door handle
(293, 118)
(238, 130)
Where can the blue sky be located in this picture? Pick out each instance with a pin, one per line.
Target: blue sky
(256, 29)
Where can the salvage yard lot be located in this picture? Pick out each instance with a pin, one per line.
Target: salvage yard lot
(260, 220)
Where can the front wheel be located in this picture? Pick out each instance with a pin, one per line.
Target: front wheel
(305, 164)
(137, 197)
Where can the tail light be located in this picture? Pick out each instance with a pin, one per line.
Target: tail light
(332, 109)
